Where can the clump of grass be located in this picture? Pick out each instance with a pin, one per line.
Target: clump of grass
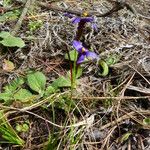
(8, 134)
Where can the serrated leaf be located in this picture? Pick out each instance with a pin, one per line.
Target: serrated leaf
(8, 65)
(16, 83)
(61, 82)
(73, 55)
(5, 96)
(23, 95)
(12, 41)
(37, 81)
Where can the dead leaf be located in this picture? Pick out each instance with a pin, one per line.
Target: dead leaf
(8, 65)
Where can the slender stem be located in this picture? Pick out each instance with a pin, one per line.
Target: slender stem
(74, 69)
(71, 74)
(80, 29)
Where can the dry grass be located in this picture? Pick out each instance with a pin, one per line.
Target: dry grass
(104, 108)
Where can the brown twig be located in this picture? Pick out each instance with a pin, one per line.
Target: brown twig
(115, 98)
(139, 89)
(118, 6)
(124, 117)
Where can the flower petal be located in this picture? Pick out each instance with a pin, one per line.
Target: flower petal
(94, 26)
(69, 15)
(87, 19)
(77, 45)
(76, 20)
(91, 55)
(81, 59)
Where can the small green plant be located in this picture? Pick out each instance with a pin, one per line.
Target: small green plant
(125, 137)
(22, 127)
(14, 91)
(8, 133)
(35, 25)
(61, 82)
(27, 89)
(104, 69)
(73, 55)
(112, 59)
(9, 40)
(76, 70)
(9, 90)
(105, 64)
(35, 83)
(74, 137)
(9, 16)
(52, 142)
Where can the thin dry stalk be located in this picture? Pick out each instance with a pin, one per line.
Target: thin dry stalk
(24, 12)
(108, 137)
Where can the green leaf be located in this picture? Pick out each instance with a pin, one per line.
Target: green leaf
(49, 90)
(125, 136)
(10, 16)
(2, 18)
(146, 121)
(23, 95)
(22, 128)
(34, 25)
(112, 59)
(12, 41)
(6, 3)
(61, 82)
(18, 128)
(73, 55)
(4, 34)
(79, 72)
(25, 127)
(5, 96)
(104, 69)
(16, 83)
(37, 81)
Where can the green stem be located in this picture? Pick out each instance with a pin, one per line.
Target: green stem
(74, 70)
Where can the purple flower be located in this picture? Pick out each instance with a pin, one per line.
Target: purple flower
(83, 19)
(83, 52)
(76, 19)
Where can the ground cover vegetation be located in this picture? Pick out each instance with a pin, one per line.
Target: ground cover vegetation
(74, 75)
